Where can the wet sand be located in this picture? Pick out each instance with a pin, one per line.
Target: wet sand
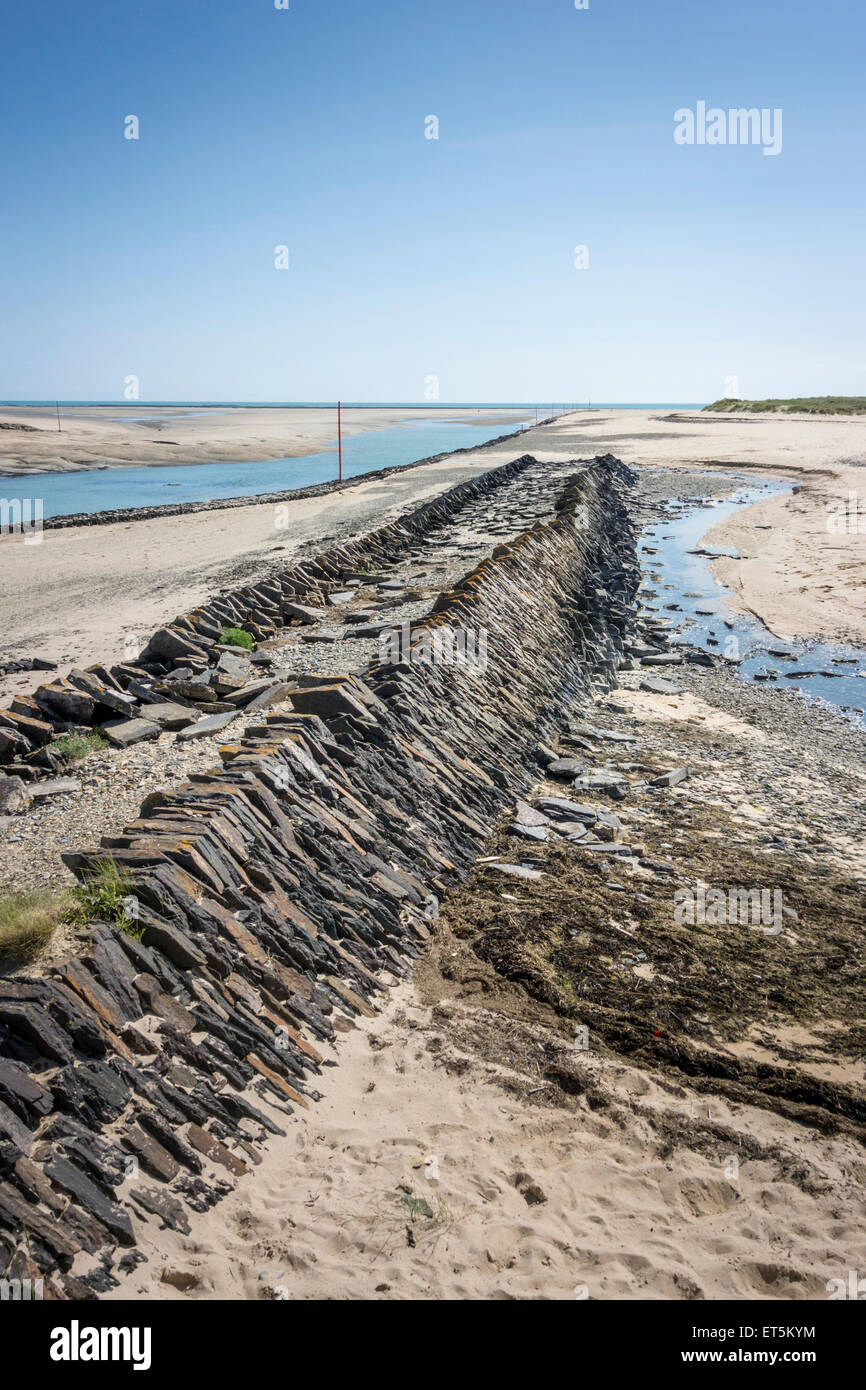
(108, 437)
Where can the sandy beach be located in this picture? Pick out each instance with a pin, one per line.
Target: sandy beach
(441, 1163)
(418, 1120)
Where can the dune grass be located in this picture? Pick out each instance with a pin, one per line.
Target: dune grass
(800, 405)
(29, 919)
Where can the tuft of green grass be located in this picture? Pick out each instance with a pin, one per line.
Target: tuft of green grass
(107, 895)
(74, 747)
(236, 637)
(28, 920)
(804, 405)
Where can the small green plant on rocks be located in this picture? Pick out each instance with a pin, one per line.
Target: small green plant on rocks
(236, 637)
(105, 895)
(75, 746)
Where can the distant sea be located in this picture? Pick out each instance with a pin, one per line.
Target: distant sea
(380, 405)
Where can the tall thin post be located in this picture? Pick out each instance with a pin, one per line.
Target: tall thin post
(59, 431)
(340, 436)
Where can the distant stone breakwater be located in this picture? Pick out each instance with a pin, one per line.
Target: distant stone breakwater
(272, 893)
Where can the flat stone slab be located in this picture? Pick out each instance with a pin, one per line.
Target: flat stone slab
(327, 701)
(566, 767)
(663, 659)
(670, 779)
(205, 727)
(129, 731)
(36, 731)
(529, 832)
(300, 610)
(169, 715)
(53, 786)
(559, 809)
(275, 692)
(601, 781)
(655, 685)
(515, 870)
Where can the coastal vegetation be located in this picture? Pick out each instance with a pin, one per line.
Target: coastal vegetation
(796, 405)
(75, 746)
(106, 895)
(237, 637)
(28, 920)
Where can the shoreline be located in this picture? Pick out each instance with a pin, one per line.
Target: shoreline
(31, 445)
(127, 514)
(88, 584)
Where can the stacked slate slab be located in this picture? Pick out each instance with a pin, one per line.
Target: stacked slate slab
(179, 663)
(273, 894)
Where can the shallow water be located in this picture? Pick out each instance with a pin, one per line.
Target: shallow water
(154, 485)
(685, 579)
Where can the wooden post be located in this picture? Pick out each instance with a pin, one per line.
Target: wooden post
(59, 431)
(340, 436)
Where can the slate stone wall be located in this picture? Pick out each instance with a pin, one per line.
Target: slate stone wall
(270, 894)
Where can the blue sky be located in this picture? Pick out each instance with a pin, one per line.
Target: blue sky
(413, 258)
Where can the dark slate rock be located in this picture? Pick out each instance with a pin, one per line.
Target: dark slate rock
(13, 1128)
(47, 1240)
(31, 1022)
(22, 1092)
(161, 1204)
(153, 1157)
(77, 1018)
(103, 1160)
(129, 731)
(169, 1138)
(92, 1091)
(78, 1185)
